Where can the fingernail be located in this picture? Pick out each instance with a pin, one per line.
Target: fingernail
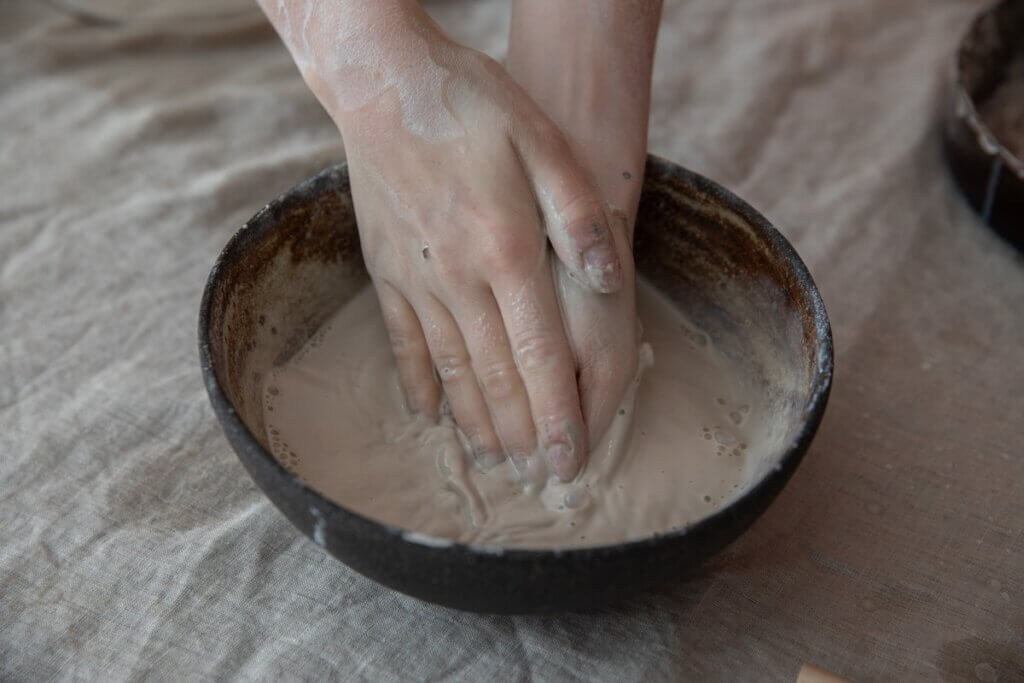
(601, 265)
(532, 471)
(563, 461)
(488, 460)
(521, 461)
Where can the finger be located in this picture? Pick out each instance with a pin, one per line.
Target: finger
(604, 377)
(604, 333)
(454, 367)
(573, 209)
(498, 377)
(412, 356)
(541, 351)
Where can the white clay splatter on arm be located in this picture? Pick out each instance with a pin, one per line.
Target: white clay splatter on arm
(345, 53)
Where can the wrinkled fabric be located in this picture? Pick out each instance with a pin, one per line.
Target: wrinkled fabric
(134, 546)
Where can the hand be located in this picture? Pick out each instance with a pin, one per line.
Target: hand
(600, 96)
(455, 175)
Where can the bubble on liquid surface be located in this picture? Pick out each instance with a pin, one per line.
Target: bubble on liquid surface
(736, 417)
(576, 498)
(725, 438)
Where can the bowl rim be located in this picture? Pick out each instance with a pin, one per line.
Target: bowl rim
(965, 107)
(774, 479)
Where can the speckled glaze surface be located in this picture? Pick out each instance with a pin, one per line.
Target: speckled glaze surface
(990, 176)
(297, 260)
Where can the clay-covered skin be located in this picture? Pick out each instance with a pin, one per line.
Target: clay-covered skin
(685, 439)
(459, 182)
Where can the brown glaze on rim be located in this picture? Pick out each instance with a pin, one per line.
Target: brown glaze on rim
(738, 248)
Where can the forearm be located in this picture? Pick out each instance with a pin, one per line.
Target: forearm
(588, 64)
(351, 52)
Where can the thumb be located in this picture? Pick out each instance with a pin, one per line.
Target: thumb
(573, 210)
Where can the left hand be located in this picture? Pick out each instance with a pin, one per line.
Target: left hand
(600, 97)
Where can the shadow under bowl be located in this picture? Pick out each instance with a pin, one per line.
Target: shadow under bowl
(298, 260)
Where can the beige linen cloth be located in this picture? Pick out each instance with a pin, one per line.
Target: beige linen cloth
(134, 546)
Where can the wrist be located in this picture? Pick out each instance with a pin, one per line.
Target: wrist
(350, 52)
(596, 86)
(606, 127)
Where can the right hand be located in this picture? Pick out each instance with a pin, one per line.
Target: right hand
(459, 180)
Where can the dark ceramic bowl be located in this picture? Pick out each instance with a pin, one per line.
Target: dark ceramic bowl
(989, 174)
(298, 260)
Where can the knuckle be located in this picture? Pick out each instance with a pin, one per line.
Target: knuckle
(405, 346)
(452, 367)
(452, 270)
(421, 397)
(584, 217)
(499, 380)
(511, 251)
(536, 352)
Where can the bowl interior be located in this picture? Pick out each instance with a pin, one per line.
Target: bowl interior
(298, 260)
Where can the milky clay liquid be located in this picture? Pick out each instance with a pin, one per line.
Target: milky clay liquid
(683, 444)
